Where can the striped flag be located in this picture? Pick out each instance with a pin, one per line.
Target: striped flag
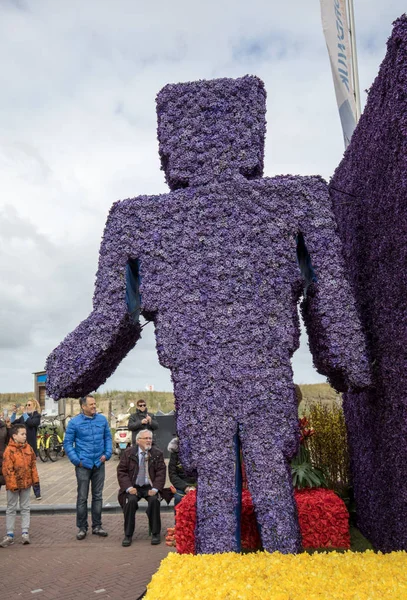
(336, 31)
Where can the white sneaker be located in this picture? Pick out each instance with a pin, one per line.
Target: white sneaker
(25, 538)
(7, 541)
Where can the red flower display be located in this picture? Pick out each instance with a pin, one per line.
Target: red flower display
(323, 519)
(185, 516)
(322, 516)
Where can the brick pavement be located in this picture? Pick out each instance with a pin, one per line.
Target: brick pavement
(63, 568)
(60, 567)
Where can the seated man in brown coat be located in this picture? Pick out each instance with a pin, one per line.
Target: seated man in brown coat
(141, 474)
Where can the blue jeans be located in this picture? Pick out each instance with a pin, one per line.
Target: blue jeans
(84, 477)
(178, 496)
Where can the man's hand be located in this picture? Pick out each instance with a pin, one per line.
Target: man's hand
(80, 464)
(103, 458)
(148, 419)
(14, 408)
(8, 422)
(144, 421)
(152, 492)
(133, 491)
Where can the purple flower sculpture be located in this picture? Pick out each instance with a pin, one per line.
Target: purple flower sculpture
(369, 191)
(216, 264)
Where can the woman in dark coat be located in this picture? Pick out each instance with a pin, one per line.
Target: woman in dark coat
(31, 418)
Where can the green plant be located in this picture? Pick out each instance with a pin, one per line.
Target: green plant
(329, 448)
(304, 473)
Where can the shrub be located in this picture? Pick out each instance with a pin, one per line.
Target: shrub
(329, 446)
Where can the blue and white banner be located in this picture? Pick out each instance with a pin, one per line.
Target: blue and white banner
(336, 31)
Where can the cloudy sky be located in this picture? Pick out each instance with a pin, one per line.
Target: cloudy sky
(78, 131)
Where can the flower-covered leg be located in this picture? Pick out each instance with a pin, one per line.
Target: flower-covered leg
(217, 500)
(266, 452)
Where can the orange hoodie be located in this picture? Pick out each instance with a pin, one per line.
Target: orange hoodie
(19, 466)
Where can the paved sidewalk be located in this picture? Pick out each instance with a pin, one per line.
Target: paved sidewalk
(55, 566)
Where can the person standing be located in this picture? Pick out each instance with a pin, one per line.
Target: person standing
(31, 418)
(88, 445)
(20, 473)
(5, 425)
(141, 419)
(141, 473)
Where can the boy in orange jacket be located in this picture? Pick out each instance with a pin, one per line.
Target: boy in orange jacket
(20, 473)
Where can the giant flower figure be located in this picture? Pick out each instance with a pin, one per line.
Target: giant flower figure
(369, 192)
(215, 264)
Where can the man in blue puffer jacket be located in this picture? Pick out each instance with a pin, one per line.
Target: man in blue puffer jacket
(88, 444)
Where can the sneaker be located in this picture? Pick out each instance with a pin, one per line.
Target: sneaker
(7, 541)
(99, 531)
(126, 541)
(155, 539)
(38, 497)
(25, 538)
(81, 534)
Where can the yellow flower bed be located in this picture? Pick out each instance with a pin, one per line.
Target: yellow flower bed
(326, 576)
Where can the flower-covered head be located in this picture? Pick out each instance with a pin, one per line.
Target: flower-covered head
(211, 130)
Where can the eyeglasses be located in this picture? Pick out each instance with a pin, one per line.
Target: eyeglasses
(140, 405)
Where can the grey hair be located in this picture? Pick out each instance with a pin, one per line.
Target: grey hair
(83, 399)
(143, 431)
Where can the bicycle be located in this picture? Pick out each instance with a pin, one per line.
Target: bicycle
(54, 443)
(42, 440)
(49, 442)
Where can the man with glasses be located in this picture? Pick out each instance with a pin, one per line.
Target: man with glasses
(141, 419)
(141, 473)
(31, 418)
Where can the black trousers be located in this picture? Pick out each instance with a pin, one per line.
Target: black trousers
(131, 506)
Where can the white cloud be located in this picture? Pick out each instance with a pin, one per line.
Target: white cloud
(77, 115)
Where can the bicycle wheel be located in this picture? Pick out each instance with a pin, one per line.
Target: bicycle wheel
(54, 447)
(42, 453)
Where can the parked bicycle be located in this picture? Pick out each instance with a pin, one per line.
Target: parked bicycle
(42, 439)
(49, 442)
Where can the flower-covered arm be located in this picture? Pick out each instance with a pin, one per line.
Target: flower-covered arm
(336, 339)
(92, 352)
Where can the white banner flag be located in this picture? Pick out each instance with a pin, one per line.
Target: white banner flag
(336, 31)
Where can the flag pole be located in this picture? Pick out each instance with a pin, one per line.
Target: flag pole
(355, 72)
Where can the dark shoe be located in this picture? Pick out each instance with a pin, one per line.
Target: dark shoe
(155, 539)
(127, 541)
(99, 531)
(81, 534)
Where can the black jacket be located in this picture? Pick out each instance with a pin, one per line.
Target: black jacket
(178, 477)
(135, 425)
(32, 424)
(128, 466)
(4, 437)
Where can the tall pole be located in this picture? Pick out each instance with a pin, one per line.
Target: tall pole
(355, 72)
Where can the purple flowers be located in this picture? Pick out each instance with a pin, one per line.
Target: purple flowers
(218, 266)
(369, 191)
